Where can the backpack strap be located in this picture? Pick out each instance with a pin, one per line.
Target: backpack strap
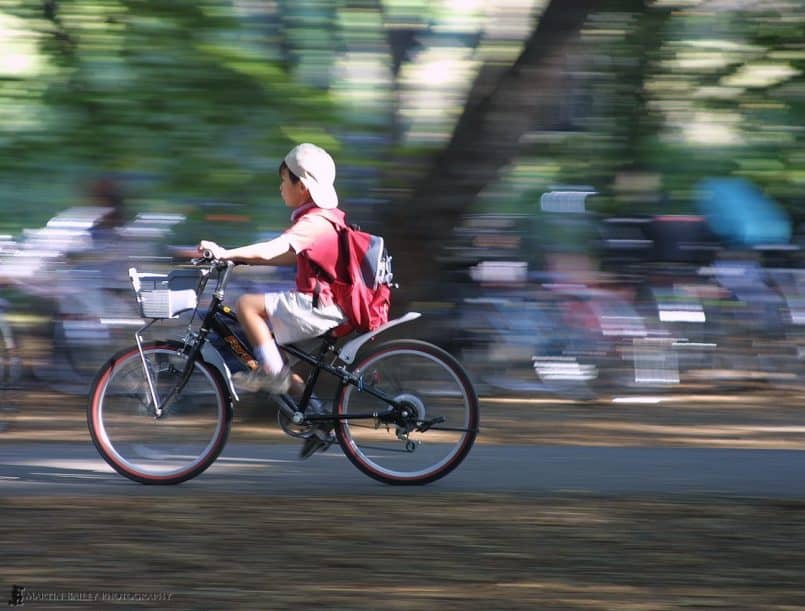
(339, 225)
(316, 294)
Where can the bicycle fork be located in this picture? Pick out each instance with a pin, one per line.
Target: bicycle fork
(159, 406)
(147, 370)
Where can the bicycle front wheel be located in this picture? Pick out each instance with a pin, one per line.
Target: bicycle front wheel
(179, 444)
(414, 418)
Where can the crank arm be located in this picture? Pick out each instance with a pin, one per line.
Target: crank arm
(427, 424)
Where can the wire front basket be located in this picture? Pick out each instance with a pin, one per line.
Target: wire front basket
(165, 295)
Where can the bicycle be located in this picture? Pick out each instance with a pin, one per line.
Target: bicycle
(160, 411)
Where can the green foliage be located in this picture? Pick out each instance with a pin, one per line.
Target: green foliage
(195, 102)
(173, 94)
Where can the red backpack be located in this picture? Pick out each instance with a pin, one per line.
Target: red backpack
(362, 286)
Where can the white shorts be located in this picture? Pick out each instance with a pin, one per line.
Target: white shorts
(292, 317)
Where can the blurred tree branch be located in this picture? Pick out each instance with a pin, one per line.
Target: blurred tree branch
(50, 11)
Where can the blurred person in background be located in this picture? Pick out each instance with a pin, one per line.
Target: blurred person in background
(307, 177)
(107, 193)
(109, 248)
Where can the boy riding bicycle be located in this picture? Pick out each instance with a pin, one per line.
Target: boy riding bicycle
(307, 176)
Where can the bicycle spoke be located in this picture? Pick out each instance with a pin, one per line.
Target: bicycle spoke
(431, 409)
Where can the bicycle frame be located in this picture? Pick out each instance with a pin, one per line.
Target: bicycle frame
(196, 341)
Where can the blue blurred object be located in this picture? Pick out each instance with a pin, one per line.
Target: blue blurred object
(740, 214)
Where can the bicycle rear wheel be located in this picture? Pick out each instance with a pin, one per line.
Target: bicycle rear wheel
(183, 441)
(429, 435)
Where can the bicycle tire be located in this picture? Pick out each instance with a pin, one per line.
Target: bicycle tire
(432, 384)
(179, 445)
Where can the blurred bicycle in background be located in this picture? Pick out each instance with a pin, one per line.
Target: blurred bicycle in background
(64, 305)
(624, 305)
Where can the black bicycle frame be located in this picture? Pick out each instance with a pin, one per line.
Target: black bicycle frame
(214, 323)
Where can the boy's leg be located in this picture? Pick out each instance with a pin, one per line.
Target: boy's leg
(253, 317)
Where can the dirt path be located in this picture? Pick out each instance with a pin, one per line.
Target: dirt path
(413, 552)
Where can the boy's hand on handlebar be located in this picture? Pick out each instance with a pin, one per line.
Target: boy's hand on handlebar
(207, 248)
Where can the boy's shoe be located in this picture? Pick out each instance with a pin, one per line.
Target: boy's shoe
(321, 436)
(320, 440)
(258, 379)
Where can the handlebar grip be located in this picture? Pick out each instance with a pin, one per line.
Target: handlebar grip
(207, 254)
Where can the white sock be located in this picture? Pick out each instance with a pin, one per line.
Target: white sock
(270, 358)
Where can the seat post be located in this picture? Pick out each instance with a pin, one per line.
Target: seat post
(328, 341)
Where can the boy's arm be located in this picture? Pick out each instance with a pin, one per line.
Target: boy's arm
(275, 252)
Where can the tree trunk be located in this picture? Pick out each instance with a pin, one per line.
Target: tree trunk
(486, 139)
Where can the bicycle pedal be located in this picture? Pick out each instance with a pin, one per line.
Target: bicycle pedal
(290, 428)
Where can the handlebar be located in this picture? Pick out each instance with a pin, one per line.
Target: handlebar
(222, 267)
(207, 258)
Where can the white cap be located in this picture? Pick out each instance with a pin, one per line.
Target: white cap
(316, 169)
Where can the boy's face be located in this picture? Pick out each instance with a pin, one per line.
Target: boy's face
(293, 194)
